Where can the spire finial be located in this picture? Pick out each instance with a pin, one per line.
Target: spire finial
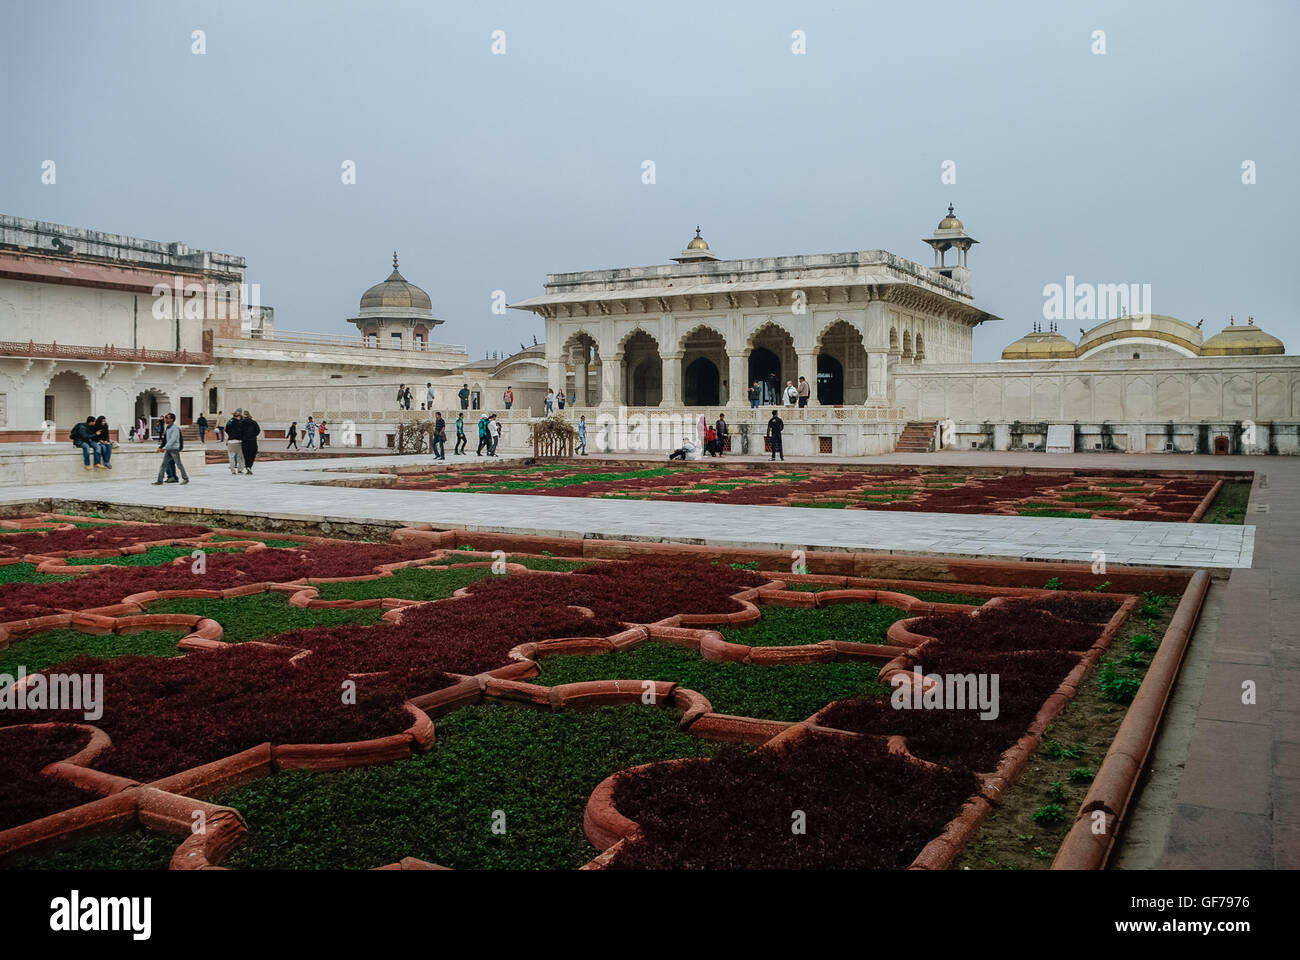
(1232, 321)
(950, 210)
(394, 259)
(697, 230)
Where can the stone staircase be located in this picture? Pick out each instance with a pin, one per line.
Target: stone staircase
(917, 437)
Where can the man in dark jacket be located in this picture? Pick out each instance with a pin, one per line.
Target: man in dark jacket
(440, 438)
(720, 428)
(83, 436)
(464, 396)
(248, 431)
(774, 428)
(235, 441)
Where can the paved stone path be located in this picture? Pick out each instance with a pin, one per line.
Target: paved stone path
(292, 488)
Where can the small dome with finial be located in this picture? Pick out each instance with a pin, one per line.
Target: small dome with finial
(950, 222)
(699, 243)
(395, 293)
(696, 250)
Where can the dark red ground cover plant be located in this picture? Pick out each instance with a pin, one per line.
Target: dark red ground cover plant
(103, 588)
(1071, 606)
(25, 795)
(633, 591)
(864, 809)
(961, 738)
(1004, 628)
(95, 538)
(165, 715)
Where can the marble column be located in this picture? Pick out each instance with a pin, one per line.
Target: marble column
(555, 375)
(808, 370)
(738, 381)
(671, 380)
(611, 381)
(580, 383)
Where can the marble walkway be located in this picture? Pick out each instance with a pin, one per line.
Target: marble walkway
(293, 488)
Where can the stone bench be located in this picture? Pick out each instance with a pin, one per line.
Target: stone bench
(39, 463)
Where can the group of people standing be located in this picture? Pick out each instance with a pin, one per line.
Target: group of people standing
(242, 432)
(405, 398)
(310, 431)
(761, 392)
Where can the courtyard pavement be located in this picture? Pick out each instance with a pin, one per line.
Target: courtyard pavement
(1222, 788)
(293, 489)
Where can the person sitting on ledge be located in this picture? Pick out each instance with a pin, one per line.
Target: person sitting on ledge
(685, 450)
(83, 436)
(103, 442)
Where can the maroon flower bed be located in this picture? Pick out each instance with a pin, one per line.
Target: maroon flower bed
(960, 738)
(165, 715)
(633, 591)
(24, 794)
(1002, 628)
(94, 538)
(864, 809)
(21, 600)
(1072, 606)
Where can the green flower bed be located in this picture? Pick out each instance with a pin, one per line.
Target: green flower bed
(788, 626)
(260, 616)
(26, 573)
(152, 557)
(536, 767)
(790, 693)
(1088, 498)
(133, 849)
(417, 583)
(1049, 512)
(51, 647)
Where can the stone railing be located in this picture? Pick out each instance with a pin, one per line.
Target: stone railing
(356, 341)
(65, 351)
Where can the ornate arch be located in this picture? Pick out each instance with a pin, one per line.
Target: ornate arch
(696, 328)
(761, 328)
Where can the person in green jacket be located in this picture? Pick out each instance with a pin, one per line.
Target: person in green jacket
(460, 434)
(482, 435)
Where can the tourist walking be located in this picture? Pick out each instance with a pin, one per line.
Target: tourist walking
(464, 396)
(550, 401)
(203, 428)
(701, 428)
(460, 434)
(428, 396)
(710, 442)
(324, 435)
(401, 395)
(234, 441)
(141, 430)
(218, 429)
(755, 395)
(791, 393)
(408, 398)
(774, 427)
(482, 435)
(494, 434)
(803, 392)
(293, 437)
(104, 442)
(508, 398)
(582, 435)
(248, 437)
(83, 437)
(170, 448)
(720, 428)
(559, 400)
(440, 438)
(310, 431)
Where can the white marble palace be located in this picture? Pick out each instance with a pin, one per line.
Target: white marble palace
(98, 323)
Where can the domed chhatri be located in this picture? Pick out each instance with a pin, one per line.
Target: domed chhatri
(395, 292)
(696, 250)
(950, 222)
(396, 314)
(950, 235)
(1241, 339)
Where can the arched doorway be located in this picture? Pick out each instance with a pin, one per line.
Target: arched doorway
(701, 383)
(841, 365)
(772, 361)
(830, 380)
(643, 371)
(67, 400)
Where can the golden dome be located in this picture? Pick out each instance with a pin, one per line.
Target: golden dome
(1241, 340)
(397, 292)
(698, 243)
(1040, 345)
(950, 222)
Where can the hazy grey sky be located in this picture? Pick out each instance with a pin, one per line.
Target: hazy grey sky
(486, 171)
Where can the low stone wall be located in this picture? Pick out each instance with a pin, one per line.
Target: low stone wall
(32, 463)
